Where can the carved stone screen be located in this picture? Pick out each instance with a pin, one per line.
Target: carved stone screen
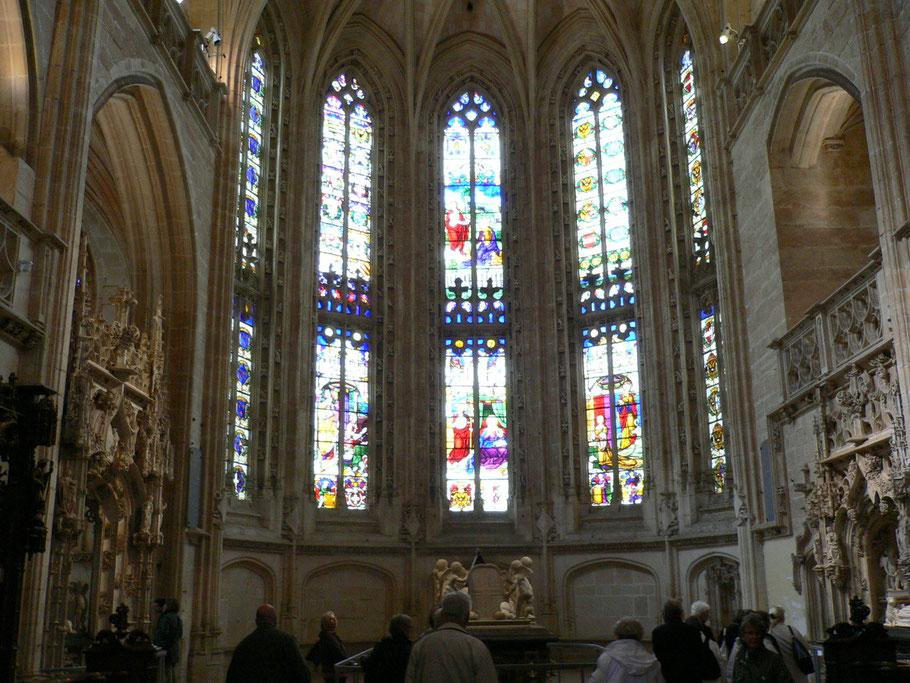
(603, 594)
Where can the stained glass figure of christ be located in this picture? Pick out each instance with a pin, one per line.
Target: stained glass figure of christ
(477, 438)
(606, 294)
(344, 300)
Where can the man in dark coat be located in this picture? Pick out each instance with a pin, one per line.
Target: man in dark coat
(679, 649)
(388, 661)
(268, 654)
(168, 632)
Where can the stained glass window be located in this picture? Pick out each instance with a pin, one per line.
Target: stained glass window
(246, 270)
(612, 409)
(701, 246)
(606, 294)
(708, 319)
(477, 442)
(344, 300)
(344, 228)
(342, 416)
(709, 329)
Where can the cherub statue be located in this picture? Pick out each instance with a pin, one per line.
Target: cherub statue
(449, 578)
(519, 603)
(439, 573)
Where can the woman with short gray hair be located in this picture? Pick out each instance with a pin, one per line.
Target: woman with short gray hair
(626, 660)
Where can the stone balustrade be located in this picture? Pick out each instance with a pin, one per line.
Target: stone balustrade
(846, 325)
(27, 257)
(761, 45)
(183, 47)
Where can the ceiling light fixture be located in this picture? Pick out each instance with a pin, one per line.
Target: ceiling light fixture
(729, 33)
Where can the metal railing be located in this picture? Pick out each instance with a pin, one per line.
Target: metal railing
(566, 663)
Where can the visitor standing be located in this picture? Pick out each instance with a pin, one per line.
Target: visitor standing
(785, 635)
(753, 661)
(268, 654)
(388, 661)
(450, 654)
(328, 650)
(168, 632)
(683, 657)
(626, 660)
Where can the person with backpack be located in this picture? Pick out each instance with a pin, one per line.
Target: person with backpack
(794, 649)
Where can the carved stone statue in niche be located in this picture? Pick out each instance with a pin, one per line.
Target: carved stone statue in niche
(834, 554)
(893, 579)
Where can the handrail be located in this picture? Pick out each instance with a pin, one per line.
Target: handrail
(354, 663)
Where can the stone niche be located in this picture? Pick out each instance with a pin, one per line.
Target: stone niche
(361, 596)
(601, 594)
(243, 589)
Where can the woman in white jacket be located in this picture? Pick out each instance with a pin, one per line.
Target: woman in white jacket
(626, 660)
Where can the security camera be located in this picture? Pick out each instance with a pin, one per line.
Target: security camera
(213, 37)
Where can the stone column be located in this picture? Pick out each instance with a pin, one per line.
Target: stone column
(59, 192)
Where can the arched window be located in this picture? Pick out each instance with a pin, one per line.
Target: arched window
(344, 300)
(475, 315)
(702, 267)
(606, 293)
(247, 273)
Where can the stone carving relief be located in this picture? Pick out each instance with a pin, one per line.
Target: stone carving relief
(853, 539)
(497, 593)
(116, 457)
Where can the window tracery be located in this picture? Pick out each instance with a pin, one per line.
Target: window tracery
(701, 253)
(247, 270)
(476, 309)
(692, 272)
(606, 293)
(344, 300)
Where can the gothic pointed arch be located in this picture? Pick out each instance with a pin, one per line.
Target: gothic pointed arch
(260, 246)
(690, 243)
(18, 80)
(473, 256)
(598, 286)
(349, 392)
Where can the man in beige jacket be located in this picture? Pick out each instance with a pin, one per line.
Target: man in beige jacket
(450, 654)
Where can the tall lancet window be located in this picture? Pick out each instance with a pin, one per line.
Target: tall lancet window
(247, 272)
(344, 300)
(606, 294)
(703, 268)
(477, 437)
